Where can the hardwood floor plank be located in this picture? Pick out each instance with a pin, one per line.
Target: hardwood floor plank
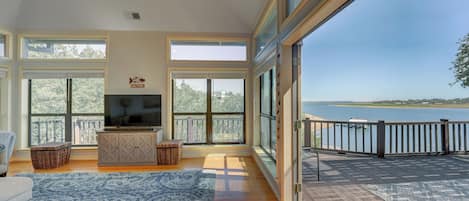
(238, 178)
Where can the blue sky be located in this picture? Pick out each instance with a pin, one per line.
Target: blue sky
(383, 49)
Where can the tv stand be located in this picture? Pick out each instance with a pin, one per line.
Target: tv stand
(131, 129)
(128, 146)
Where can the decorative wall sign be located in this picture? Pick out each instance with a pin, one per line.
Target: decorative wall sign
(137, 82)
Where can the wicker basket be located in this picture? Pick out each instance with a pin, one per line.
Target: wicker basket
(50, 155)
(169, 152)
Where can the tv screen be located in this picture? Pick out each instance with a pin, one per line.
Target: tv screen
(132, 110)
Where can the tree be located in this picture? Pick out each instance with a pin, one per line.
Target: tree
(461, 64)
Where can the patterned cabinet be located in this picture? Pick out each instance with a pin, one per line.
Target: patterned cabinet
(128, 147)
(108, 147)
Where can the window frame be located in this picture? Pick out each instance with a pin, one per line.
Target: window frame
(7, 44)
(68, 115)
(271, 116)
(268, 11)
(21, 40)
(170, 39)
(209, 114)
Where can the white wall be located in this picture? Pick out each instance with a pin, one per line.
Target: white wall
(137, 54)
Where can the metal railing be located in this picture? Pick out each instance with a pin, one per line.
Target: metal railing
(45, 131)
(387, 138)
(225, 130)
(83, 131)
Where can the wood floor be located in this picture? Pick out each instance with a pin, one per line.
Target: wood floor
(238, 178)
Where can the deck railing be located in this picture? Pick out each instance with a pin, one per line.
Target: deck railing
(83, 131)
(387, 138)
(225, 130)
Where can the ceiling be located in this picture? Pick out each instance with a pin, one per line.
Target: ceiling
(226, 16)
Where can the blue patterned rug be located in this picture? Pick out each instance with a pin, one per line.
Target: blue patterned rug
(186, 185)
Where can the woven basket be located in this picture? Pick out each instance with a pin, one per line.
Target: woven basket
(51, 155)
(169, 152)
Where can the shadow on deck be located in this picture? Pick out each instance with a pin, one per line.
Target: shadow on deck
(352, 177)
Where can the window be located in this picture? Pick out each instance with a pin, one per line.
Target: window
(208, 51)
(3, 45)
(208, 111)
(267, 113)
(291, 6)
(44, 48)
(66, 110)
(267, 30)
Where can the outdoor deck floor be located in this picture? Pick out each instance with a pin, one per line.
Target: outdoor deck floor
(352, 177)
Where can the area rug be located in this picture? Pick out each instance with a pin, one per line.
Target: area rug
(186, 185)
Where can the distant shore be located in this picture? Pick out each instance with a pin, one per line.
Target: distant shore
(313, 117)
(377, 105)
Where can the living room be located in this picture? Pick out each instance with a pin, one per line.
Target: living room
(194, 65)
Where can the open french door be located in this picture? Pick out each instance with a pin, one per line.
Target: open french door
(296, 114)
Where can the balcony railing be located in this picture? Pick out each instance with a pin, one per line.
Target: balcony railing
(83, 131)
(387, 138)
(225, 129)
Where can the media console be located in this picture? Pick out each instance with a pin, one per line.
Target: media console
(128, 146)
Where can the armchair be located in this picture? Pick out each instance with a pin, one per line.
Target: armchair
(8, 140)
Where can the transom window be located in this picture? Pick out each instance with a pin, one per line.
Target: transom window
(267, 30)
(66, 110)
(291, 5)
(45, 48)
(267, 113)
(208, 50)
(209, 111)
(3, 45)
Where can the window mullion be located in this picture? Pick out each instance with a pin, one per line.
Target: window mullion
(68, 115)
(270, 108)
(209, 112)
(29, 111)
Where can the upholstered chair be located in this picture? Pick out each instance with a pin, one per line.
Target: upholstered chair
(8, 140)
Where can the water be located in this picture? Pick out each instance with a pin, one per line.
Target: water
(331, 112)
(398, 140)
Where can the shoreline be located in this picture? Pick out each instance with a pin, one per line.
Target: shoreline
(405, 106)
(313, 117)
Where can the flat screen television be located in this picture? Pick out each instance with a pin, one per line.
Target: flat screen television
(132, 110)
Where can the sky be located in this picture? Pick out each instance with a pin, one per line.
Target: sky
(382, 49)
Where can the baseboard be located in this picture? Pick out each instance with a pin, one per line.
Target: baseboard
(195, 151)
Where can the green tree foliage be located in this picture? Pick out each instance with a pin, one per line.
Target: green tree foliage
(189, 99)
(88, 95)
(64, 51)
(461, 63)
(227, 102)
(50, 95)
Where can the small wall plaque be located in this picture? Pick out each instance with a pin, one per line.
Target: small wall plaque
(137, 82)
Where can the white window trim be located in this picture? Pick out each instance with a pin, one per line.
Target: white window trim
(3, 72)
(21, 38)
(242, 73)
(8, 49)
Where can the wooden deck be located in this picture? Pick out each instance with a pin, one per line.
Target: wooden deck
(355, 177)
(238, 178)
